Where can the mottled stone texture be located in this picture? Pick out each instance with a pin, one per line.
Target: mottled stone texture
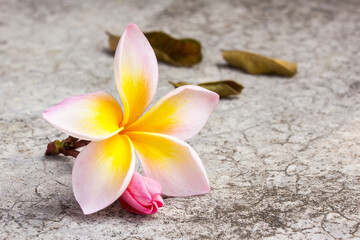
(283, 158)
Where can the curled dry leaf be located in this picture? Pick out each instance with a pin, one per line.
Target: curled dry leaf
(179, 52)
(224, 88)
(256, 64)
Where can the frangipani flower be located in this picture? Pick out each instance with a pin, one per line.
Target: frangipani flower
(104, 168)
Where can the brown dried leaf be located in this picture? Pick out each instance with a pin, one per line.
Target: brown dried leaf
(224, 88)
(256, 64)
(179, 52)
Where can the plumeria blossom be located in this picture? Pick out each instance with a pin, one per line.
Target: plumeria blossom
(104, 168)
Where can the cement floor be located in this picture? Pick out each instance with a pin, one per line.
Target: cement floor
(283, 158)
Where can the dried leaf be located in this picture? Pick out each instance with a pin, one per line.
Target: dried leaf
(113, 41)
(257, 64)
(224, 88)
(179, 52)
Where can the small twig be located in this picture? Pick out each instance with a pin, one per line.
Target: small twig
(81, 143)
(72, 153)
(66, 147)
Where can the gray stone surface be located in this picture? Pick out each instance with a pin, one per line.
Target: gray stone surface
(282, 158)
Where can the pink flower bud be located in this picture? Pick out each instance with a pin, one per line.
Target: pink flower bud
(142, 196)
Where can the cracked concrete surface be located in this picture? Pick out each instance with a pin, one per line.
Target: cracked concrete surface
(283, 158)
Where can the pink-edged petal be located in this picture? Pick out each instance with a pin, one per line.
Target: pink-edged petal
(158, 200)
(155, 208)
(153, 187)
(171, 162)
(132, 205)
(136, 73)
(137, 189)
(128, 207)
(102, 171)
(95, 116)
(181, 113)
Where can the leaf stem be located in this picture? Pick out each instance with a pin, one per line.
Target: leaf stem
(66, 147)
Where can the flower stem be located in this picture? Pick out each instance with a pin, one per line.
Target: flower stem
(66, 147)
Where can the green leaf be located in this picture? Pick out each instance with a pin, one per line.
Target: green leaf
(256, 64)
(224, 88)
(179, 52)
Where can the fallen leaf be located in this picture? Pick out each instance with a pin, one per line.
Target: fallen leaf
(256, 64)
(224, 88)
(179, 52)
(113, 41)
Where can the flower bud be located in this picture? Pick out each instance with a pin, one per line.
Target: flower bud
(142, 196)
